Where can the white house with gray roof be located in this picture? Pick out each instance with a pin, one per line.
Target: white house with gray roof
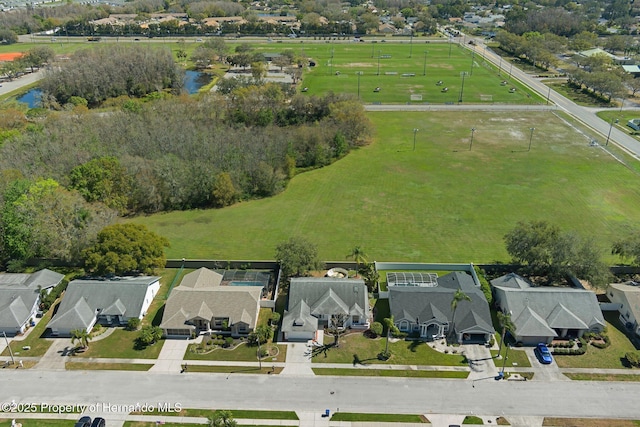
(110, 302)
(20, 298)
(627, 296)
(315, 301)
(202, 305)
(422, 306)
(543, 313)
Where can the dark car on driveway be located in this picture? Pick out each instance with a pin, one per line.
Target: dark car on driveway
(83, 422)
(98, 422)
(543, 353)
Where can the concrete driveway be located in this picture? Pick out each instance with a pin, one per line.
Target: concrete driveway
(544, 372)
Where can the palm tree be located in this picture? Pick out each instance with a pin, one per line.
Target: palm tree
(507, 325)
(457, 297)
(81, 336)
(388, 322)
(222, 419)
(359, 256)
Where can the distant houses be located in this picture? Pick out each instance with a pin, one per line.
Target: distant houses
(20, 298)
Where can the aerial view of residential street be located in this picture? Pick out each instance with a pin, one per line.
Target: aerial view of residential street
(372, 213)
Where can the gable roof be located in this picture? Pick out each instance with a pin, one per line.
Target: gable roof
(41, 279)
(118, 297)
(19, 294)
(552, 307)
(201, 296)
(78, 316)
(632, 295)
(421, 304)
(201, 278)
(299, 319)
(328, 295)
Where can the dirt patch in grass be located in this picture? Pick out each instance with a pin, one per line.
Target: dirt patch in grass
(358, 64)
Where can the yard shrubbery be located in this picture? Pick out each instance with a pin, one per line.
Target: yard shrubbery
(633, 357)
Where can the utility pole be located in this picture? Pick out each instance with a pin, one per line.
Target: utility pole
(415, 131)
(531, 137)
(473, 130)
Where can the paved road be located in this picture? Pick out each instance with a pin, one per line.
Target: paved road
(354, 394)
(25, 80)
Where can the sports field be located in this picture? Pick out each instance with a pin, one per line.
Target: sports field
(441, 202)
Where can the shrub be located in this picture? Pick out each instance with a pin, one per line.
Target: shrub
(633, 357)
(275, 318)
(133, 324)
(47, 300)
(605, 344)
(376, 328)
(228, 342)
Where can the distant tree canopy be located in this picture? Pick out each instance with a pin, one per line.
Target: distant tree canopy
(113, 70)
(123, 248)
(628, 248)
(547, 252)
(8, 37)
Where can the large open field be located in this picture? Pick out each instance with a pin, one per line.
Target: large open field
(440, 202)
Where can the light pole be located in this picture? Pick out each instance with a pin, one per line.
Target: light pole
(415, 131)
(531, 137)
(473, 57)
(411, 44)
(378, 64)
(548, 95)
(449, 47)
(473, 130)
(424, 68)
(610, 128)
(462, 74)
(510, 69)
(500, 67)
(359, 73)
(13, 362)
(259, 355)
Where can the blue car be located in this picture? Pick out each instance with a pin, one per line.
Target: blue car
(543, 354)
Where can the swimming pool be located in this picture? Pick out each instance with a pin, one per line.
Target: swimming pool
(246, 284)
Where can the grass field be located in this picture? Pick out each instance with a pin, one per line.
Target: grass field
(92, 366)
(242, 352)
(120, 344)
(588, 422)
(440, 202)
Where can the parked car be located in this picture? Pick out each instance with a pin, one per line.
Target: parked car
(98, 422)
(543, 354)
(84, 422)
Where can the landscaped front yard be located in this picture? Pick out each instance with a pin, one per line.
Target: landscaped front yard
(243, 352)
(355, 348)
(121, 344)
(611, 357)
(39, 346)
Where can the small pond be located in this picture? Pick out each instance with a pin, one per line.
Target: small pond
(194, 80)
(32, 98)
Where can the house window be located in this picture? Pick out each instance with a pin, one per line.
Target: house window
(242, 328)
(355, 319)
(404, 326)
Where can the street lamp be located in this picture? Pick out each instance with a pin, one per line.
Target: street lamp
(462, 74)
(449, 47)
(378, 64)
(473, 57)
(531, 137)
(610, 128)
(415, 131)
(473, 130)
(359, 73)
(411, 44)
(424, 68)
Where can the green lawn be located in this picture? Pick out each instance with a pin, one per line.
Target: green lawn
(603, 377)
(355, 347)
(515, 358)
(251, 414)
(267, 368)
(88, 366)
(611, 357)
(242, 352)
(121, 344)
(389, 373)
(38, 423)
(387, 418)
(435, 201)
(39, 346)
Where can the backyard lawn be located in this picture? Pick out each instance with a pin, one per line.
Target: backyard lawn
(562, 180)
(355, 348)
(611, 357)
